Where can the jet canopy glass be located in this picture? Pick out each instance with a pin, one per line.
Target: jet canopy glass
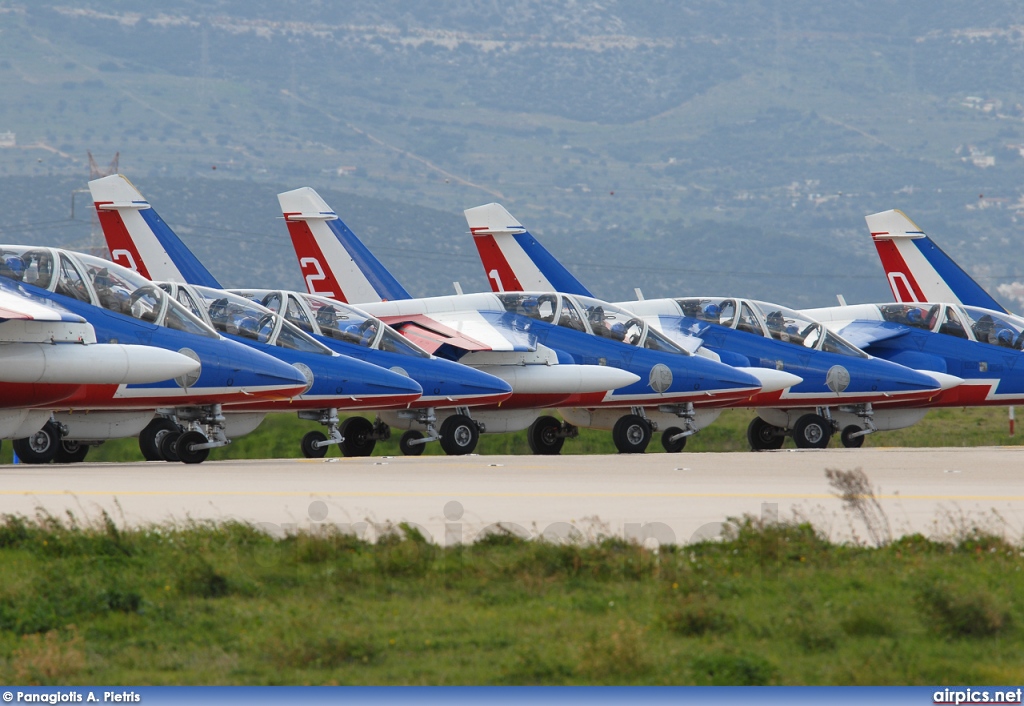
(235, 315)
(768, 320)
(98, 282)
(996, 328)
(589, 315)
(334, 319)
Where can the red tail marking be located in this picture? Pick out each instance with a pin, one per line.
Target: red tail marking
(499, 272)
(316, 272)
(901, 280)
(119, 241)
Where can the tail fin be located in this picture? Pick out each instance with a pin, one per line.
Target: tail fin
(512, 258)
(918, 269)
(333, 261)
(139, 239)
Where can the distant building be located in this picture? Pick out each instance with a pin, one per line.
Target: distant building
(7, 139)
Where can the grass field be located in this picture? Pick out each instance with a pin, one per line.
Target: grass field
(778, 604)
(279, 435)
(769, 605)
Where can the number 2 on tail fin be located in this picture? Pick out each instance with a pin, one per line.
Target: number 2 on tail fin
(312, 277)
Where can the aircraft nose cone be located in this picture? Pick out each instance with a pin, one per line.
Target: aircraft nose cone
(461, 382)
(270, 370)
(700, 374)
(389, 382)
(945, 380)
(923, 381)
(773, 380)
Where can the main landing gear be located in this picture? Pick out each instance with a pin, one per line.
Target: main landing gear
(812, 430)
(358, 436)
(186, 438)
(48, 444)
(547, 435)
(632, 432)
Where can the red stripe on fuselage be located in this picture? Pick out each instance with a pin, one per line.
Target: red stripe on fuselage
(345, 403)
(119, 241)
(17, 395)
(496, 267)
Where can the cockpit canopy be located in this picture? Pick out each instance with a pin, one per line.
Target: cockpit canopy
(768, 320)
(968, 322)
(588, 315)
(95, 281)
(333, 319)
(238, 316)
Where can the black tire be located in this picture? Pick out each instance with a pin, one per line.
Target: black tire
(812, 431)
(168, 446)
(41, 447)
(631, 434)
(763, 436)
(71, 452)
(459, 435)
(152, 435)
(187, 454)
(543, 436)
(673, 447)
(850, 441)
(408, 449)
(358, 434)
(309, 450)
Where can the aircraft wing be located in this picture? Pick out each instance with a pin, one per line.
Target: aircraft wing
(26, 318)
(463, 331)
(863, 333)
(17, 304)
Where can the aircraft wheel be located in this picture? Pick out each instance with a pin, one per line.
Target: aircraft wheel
(812, 431)
(357, 432)
(763, 436)
(183, 447)
(41, 447)
(850, 441)
(459, 435)
(71, 452)
(543, 436)
(673, 447)
(408, 449)
(152, 435)
(309, 448)
(168, 446)
(631, 434)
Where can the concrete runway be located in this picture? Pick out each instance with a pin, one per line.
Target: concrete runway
(663, 497)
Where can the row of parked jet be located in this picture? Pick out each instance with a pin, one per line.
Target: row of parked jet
(151, 345)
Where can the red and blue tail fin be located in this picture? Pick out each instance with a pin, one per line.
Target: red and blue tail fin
(334, 262)
(512, 258)
(917, 269)
(139, 239)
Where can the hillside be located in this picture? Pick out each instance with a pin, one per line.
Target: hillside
(703, 148)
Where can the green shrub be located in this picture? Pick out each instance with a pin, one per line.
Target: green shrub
(696, 615)
(963, 612)
(733, 670)
(199, 579)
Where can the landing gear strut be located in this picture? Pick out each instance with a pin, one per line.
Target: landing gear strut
(547, 435)
(763, 436)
